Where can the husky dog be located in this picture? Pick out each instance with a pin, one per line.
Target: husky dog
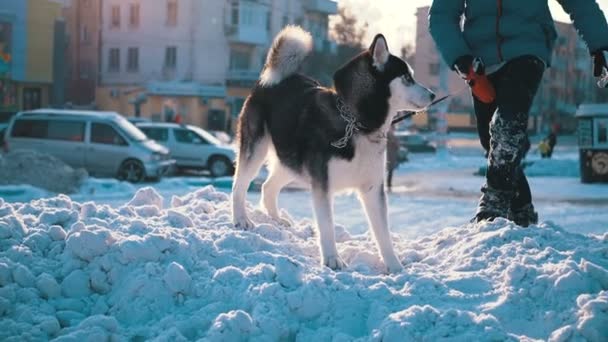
(331, 138)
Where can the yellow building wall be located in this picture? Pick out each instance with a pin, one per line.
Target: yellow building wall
(459, 120)
(192, 109)
(40, 39)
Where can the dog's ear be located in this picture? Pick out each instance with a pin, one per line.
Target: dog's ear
(379, 51)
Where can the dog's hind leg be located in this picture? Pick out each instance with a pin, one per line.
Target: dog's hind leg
(277, 179)
(323, 208)
(374, 202)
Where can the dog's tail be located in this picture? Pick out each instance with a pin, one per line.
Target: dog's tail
(288, 51)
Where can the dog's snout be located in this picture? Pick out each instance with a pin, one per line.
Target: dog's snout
(433, 96)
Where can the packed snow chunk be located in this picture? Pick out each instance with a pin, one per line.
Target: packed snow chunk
(50, 325)
(593, 318)
(236, 325)
(6, 275)
(289, 272)
(57, 233)
(23, 276)
(427, 323)
(592, 322)
(177, 278)
(178, 220)
(136, 249)
(146, 196)
(90, 243)
(48, 286)
(76, 284)
(40, 170)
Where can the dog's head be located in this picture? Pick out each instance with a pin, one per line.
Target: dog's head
(378, 82)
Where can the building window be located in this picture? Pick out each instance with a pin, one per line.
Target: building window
(234, 14)
(239, 60)
(85, 70)
(115, 22)
(134, 15)
(434, 69)
(172, 13)
(133, 59)
(114, 60)
(85, 36)
(170, 57)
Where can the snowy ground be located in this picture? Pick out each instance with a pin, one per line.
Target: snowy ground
(133, 263)
(146, 271)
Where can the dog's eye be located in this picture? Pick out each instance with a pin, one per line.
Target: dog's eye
(407, 79)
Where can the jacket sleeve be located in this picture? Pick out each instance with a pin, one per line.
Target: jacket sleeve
(589, 21)
(444, 25)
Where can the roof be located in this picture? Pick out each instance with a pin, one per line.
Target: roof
(159, 124)
(65, 112)
(592, 110)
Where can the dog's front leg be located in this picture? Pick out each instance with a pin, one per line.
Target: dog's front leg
(374, 202)
(323, 208)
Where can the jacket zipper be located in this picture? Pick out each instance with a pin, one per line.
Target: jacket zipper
(498, 36)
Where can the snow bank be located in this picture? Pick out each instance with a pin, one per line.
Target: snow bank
(553, 168)
(39, 170)
(76, 271)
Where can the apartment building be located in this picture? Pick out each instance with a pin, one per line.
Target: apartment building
(568, 83)
(197, 58)
(31, 51)
(83, 27)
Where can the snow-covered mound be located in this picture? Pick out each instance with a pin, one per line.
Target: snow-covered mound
(39, 170)
(553, 168)
(81, 271)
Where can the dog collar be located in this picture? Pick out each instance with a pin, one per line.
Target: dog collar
(352, 124)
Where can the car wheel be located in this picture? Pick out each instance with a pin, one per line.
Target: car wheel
(220, 166)
(132, 171)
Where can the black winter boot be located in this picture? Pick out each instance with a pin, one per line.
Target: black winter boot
(524, 216)
(493, 204)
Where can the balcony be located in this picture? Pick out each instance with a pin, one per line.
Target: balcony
(247, 23)
(322, 6)
(242, 78)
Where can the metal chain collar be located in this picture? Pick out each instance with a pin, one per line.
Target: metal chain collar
(352, 124)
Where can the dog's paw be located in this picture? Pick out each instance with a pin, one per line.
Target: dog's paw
(243, 223)
(334, 262)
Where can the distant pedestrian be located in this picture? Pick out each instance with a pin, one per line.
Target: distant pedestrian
(501, 49)
(392, 157)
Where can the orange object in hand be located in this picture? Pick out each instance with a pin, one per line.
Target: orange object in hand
(480, 85)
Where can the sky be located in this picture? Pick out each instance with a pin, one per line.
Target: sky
(396, 18)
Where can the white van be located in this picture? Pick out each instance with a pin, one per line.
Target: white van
(103, 143)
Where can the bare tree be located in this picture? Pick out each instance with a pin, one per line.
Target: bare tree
(347, 30)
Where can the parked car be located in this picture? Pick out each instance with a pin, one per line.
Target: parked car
(103, 143)
(192, 147)
(414, 142)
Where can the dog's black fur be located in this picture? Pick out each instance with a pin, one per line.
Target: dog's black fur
(302, 118)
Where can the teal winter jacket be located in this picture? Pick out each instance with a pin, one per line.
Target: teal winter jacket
(500, 30)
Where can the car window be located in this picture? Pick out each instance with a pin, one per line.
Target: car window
(106, 134)
(24, 128)
(188, 137)
(158, 134)
(65, 130)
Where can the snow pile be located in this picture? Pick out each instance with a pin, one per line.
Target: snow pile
(82, 271)
(553, 168)
(39, 170)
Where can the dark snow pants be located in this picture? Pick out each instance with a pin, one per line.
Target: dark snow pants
(502, 127)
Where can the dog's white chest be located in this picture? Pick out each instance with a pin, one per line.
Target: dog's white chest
(365, 169)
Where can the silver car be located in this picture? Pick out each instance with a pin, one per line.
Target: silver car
(192, 147)
(103, 143)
